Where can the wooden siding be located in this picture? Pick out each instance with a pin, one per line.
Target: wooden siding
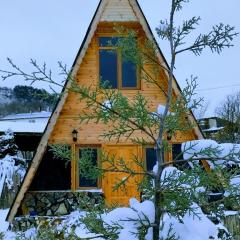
(89, 133)
(118, 11)
(88, 74)
(57, 133)
(121, 195)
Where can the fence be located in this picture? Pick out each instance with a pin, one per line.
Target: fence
(8, 195)
(232, 223)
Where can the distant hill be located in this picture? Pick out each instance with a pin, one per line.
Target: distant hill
(25, 99)
(6, 95)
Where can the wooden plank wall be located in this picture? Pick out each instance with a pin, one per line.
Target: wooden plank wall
(118, 10)
(88, 74)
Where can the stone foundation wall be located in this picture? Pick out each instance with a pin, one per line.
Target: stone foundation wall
(57, 203)
(25, 223)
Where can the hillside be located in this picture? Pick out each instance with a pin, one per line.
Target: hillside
(24, 99)
(6, 95)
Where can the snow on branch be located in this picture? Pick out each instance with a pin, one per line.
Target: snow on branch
(221, 154)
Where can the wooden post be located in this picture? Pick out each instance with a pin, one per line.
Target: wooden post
(73, 167)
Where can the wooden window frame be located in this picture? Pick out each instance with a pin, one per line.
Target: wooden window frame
(119, 64)
(99, 181)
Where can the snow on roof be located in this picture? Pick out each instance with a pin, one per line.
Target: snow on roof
(25, 122)
(212, 129)
(42, 114)
(22, 126)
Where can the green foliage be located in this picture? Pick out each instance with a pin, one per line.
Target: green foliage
(87, 167)
(171, 235)
(28, 99)
(229, 114)
(219, 38)
(48, 231)
(174, 192)
(92, 203)
(61, 151)
(95, 224)
(29, 94)
(7, 144)
(1, 236)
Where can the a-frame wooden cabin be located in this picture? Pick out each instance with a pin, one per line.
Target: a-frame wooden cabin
(51, 188)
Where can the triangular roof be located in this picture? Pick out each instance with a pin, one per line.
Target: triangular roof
(107, 10)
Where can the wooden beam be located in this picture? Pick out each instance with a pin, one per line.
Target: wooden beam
(73, 168)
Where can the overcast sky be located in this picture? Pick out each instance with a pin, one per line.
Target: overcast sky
(52, 30)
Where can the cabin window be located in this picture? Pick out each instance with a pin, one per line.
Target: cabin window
(150, 158)
(115, 72)
(53, 174)
(91, 156)
(178, 155)
(108, 68)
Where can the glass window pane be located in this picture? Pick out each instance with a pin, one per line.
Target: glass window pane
(129, 74)
(151, 158)
(108, 68)
(178, 155)
(177, 151)
(92, 154)
(108, 41)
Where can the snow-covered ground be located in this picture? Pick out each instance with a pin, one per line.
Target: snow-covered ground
(191, 227)
(3, 224)
(126, 219)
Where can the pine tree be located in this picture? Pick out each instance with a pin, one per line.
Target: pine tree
(7, 144)
(172, 191)
(229, 113)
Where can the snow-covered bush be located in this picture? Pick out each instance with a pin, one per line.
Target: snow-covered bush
(224, 178)
(10, 163)
(131, 223)
(130, 119)
(7, 145)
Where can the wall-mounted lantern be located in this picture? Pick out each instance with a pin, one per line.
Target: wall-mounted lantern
(74, 135)
(169, 135)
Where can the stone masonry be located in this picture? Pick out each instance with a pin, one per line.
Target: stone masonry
(42, 206)
(57, 203)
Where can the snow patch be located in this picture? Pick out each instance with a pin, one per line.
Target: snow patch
(209, 148)
(188, 228)
(191, 227)
(6, 172)
(24, 126)
(161, 109)
(107, 104)
(3, 224)
(31, 233)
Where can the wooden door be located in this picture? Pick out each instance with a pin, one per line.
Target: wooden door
(122, 195)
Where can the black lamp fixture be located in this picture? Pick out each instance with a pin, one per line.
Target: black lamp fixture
(74, 135)
(169, 135)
